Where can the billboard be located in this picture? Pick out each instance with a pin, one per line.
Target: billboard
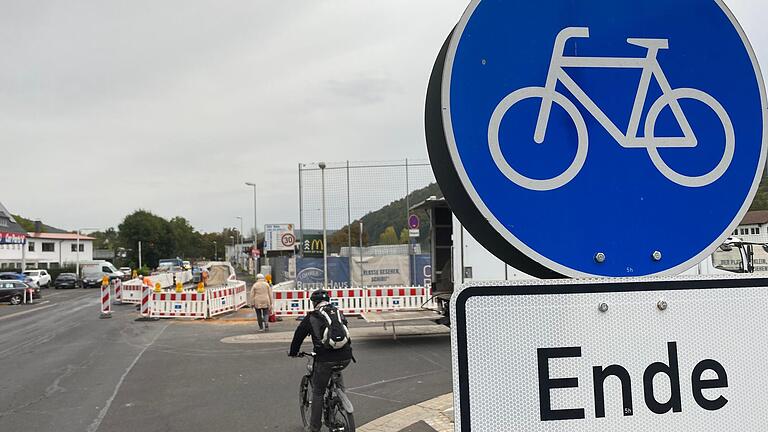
(312, 246)
(386, 270)
(422, 270)
(12, 238)
(309, 273)
(279, 238)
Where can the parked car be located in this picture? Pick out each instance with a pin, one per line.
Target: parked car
(66, 280)
(39, 278)
(92, 278)
(15, 276)
(12, 291)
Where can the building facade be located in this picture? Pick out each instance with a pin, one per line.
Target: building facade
(754, 227)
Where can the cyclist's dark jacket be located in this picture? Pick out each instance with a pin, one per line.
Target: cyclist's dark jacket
(313, 325)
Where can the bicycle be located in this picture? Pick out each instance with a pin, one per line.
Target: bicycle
(651, 68)
(337, 408)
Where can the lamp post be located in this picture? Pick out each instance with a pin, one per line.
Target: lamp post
(77, 248)
(255, 228)
(215, 251)
(240, 249)
(325, 235)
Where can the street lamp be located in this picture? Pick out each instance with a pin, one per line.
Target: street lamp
(255, 226)
(77, 248)
(240, 250)
(325, 236)
(215, 251)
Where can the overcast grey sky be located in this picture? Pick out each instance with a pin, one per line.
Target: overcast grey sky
(170, 106)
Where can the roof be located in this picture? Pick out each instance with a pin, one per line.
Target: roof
(756, 217)
(430, 203)
(13, 226)
(59, 236)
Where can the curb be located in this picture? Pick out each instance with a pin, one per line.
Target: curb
(437, 413)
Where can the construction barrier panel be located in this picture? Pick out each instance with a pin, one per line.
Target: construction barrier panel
(240, 293)
(354, 301)
(132, 291)
(221, 300)
(396, 299)
(290, 303)
(117, 286)
(178, 305)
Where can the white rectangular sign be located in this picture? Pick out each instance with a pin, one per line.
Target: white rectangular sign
(279, 237)
(634, 355)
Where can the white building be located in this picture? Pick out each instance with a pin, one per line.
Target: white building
(47, 251)
(754, 227)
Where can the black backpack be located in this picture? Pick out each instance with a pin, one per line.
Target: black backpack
(335, 335)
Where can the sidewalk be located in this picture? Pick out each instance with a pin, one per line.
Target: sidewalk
(357, 333)
(435, 415)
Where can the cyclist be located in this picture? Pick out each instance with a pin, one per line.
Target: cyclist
(327, 360)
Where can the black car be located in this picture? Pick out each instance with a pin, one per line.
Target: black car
(12, 291)
(66, 280)
(92, 280)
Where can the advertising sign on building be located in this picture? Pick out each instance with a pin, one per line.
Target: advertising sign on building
(279, 237)
(634, 355)
(310, 274)
(312, 246)
(12, 238)
(386, 270)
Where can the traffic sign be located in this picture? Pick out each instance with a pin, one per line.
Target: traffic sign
(634, 355)
(598, 138)
(414, 222)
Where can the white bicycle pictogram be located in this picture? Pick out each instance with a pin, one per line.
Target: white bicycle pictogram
(650, 69)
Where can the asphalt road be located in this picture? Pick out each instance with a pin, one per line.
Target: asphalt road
(67, 370)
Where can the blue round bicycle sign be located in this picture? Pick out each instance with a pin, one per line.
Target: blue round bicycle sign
(600, 137)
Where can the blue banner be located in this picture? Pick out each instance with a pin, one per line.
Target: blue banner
(422, 270)
(309, 273)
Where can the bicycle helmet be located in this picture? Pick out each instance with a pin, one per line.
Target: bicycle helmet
(319, 296)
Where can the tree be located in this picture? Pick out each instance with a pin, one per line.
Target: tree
(405, 236)
(107, 239)
(389, 236)
(341, 238)
(154, 233)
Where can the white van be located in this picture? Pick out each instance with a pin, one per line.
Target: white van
(104, 268)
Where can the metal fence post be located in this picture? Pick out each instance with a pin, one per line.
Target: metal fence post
(301, 215)
(349, 213)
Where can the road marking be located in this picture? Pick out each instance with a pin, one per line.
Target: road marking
(103, 413)
(27, 311)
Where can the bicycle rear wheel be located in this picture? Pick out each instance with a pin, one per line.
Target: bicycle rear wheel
(305, 399)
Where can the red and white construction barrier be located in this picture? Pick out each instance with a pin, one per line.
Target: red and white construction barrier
(178, 305)
(106, 305)
(146, 296)
(290, 303)
(132, 291)
(117, 286)
(220, 300)
(240, 293)
(354, 301)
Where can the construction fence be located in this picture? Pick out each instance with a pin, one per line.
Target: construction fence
(378, 193)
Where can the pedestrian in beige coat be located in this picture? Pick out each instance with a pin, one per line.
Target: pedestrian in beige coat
(261, 293)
